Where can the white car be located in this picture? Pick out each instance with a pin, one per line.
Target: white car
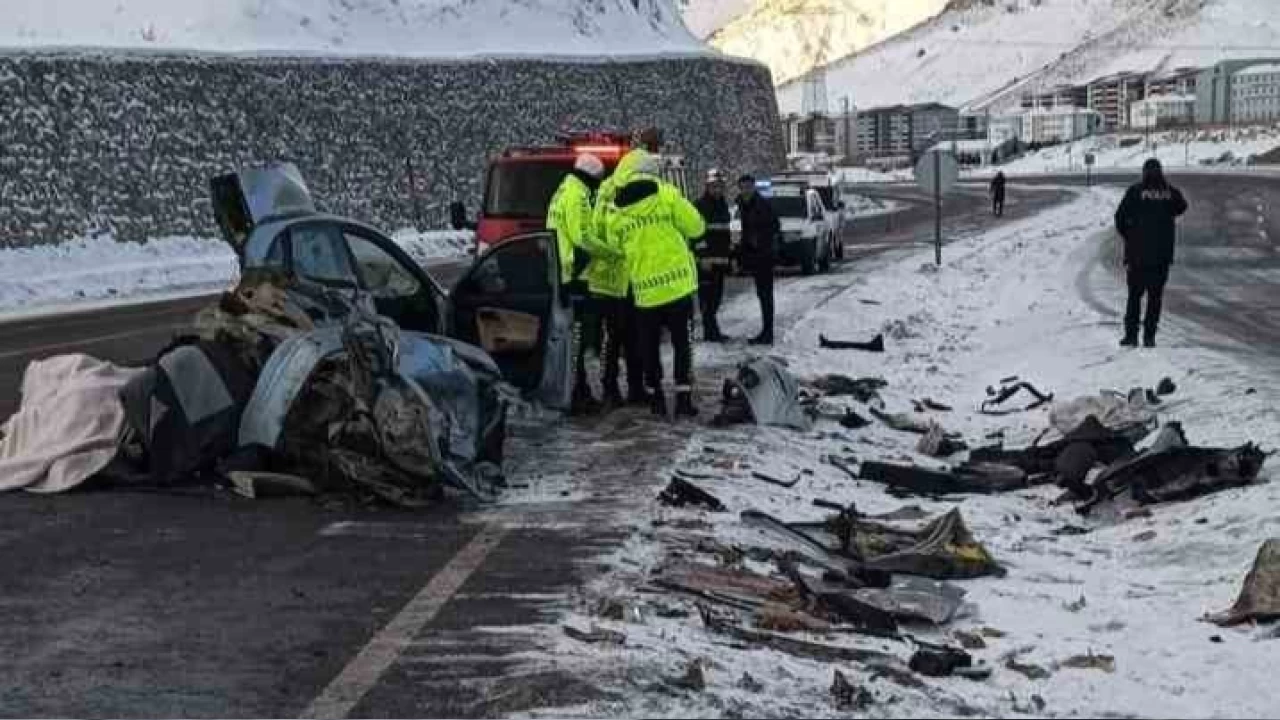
(807, 239)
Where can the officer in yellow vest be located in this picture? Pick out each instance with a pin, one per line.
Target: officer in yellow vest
(654, 224)
(607, 281)
(571, 217)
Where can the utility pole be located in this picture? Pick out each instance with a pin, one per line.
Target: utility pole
(937, 208)
(847, 152)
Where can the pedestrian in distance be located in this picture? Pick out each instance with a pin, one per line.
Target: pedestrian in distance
(1147, 220)
(713, 250)
(655, 224)
(570, 216)
(997, 194)
(760, 229)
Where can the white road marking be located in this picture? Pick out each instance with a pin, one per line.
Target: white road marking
(363, 672)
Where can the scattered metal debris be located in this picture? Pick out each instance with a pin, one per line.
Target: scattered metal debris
(969, 641)
(864, 390)
(997, 397)
(750, 684)
(693, 678)
(681, 493)
(875, 345)
(1089, 661)
(1028, 670)
(596, 635)
(764, 392)
(937, 661)
(1259, 599)
(983, 478)
(781, 483)
(846, 696)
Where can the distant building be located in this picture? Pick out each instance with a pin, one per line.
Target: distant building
(1161, 111)
(1214, 96)
(1060, 96)
(1255, 94)
(1045, 125)
(884, 132)
(1112, 95)
(810, 134)
(978, 152)
(1179, 81)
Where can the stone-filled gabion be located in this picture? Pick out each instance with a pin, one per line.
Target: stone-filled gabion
(125, 144)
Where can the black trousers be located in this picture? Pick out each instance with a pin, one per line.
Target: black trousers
(586, 334)
(622, 341)
(997, 205)
(763, 275)
(1149, 281)
(710, 297)
(676, 318)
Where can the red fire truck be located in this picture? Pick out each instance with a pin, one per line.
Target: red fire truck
(520, 181)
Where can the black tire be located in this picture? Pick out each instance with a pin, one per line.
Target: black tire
(807, 263)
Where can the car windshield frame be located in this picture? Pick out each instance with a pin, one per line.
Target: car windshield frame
(498, 187)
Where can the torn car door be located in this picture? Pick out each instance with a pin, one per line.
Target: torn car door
(510, 304)
(401, 289)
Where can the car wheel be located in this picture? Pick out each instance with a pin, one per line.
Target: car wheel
(807, 265)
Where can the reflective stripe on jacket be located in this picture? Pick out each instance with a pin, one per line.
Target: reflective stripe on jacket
(654, 223)
(607, 275)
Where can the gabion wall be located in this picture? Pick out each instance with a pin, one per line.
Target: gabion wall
(125, 144)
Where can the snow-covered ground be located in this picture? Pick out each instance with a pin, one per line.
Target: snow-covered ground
(979, 51)
(95, 269)
(407, 28)
(1196, 148)
(1004, 303)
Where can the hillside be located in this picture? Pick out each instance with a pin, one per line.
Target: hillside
(793, 36)
(411, 28)
(980, 52)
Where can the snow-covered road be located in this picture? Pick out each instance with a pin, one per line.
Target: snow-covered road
(1004, 303)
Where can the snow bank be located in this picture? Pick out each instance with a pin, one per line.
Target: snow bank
(1198, 149)
(101, 268)
(406, 28)
(1004, 303)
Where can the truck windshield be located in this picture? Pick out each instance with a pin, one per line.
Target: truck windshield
(789, 206)
(523, 189)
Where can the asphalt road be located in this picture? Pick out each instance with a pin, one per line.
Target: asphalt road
(197, 603)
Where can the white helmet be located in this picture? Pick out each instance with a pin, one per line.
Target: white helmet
(589, 164)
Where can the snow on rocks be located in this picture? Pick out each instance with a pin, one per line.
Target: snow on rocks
(101, 268)
(1093, 617)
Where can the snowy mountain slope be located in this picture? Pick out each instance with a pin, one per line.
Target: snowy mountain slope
(793, 36)
(704, 17)
(412, 28)
(984, 51)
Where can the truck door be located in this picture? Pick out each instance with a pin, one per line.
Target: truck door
(510, 304)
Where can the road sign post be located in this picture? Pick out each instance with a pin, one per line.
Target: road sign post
(937, 173)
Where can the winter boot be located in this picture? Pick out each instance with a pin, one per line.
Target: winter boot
(658, 403)
(1129, 341)
(764, 338)
(1149, 341)
(583, 403)
(685, 406)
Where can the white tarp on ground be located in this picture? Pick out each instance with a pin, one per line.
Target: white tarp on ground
(68, 427)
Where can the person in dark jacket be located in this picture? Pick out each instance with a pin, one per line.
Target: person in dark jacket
(1146, 220)
(712, 250)
(997, 194)
(760, 229)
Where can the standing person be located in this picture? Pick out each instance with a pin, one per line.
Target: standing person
(997, 194)
(760, 228)
(654, 224)
(713, 254)
(570, 217)
(608, 283)
(1146, 219)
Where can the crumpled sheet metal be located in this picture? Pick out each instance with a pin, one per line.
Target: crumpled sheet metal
(772, 393)
(945, 550)
(1259, 599)
(915, 598)
(1172, 470)
(281, 380)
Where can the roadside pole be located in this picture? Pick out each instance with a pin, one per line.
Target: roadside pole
(937, 175)
(937, 208)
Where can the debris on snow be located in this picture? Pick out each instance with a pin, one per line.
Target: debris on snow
(681, 493)
(997, 397)
(596, 635)
(875, 345)
(1089, 661)
(1259, 599)
(765, 392)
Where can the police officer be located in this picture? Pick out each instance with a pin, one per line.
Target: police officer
(760, 228)
(1146, 219)
(654, 224)
(570, 217)
(713, 254)
(608, 283)
(997, 193)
